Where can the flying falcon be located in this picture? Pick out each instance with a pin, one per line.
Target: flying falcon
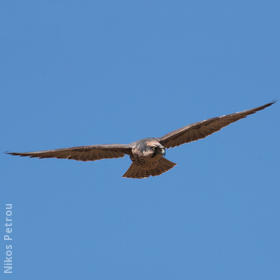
(147, 155)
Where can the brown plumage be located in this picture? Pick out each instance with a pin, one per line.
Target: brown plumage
(147, 155)
(84, 153)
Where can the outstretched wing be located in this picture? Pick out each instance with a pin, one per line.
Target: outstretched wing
(84, 153)
(204, 128)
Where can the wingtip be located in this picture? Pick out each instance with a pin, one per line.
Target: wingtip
(11, 153)
(272, 102)
(266, 105)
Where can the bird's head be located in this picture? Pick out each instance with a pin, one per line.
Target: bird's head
(156, 148)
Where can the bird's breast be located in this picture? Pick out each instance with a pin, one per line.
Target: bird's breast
(145, 161)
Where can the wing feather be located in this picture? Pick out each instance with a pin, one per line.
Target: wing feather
(204, 128)
(83, 153)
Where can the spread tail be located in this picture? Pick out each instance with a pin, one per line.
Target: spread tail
(136, 171)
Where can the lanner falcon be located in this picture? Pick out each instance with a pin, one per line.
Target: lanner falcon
(147, 155)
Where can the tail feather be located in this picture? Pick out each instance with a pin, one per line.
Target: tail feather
(136, 171)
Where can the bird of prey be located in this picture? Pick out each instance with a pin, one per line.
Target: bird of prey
(147, 155)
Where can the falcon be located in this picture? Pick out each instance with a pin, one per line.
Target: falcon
(147, 155)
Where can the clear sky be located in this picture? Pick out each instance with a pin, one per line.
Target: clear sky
(91, 72)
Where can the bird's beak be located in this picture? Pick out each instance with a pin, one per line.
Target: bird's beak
(163, 151)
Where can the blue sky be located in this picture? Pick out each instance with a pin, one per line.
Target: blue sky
(91, 72)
